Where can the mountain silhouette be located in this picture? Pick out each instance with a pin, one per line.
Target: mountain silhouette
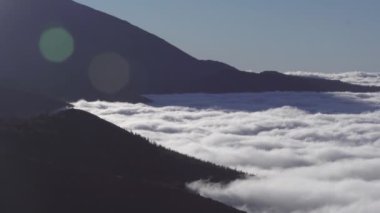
(57, 159)
(72, 161)
(67, 50)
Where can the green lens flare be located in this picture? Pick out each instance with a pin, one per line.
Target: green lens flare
(56, 44)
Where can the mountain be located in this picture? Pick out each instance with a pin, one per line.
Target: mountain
(57, 159)
(64, 49)
(73, 161)
(17, 104)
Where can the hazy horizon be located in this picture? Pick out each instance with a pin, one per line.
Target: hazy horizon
(318, 36)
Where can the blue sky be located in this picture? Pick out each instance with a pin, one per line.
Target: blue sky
(284, 35)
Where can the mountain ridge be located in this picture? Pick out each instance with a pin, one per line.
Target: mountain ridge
(73, 161)
(57, 159)
(114, 60)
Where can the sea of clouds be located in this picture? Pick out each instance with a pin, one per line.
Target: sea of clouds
(309, 152)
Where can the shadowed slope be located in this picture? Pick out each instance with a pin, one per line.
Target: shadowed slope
(76, 162)
(16, 104)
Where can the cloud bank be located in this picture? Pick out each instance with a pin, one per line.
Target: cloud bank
(310, 152)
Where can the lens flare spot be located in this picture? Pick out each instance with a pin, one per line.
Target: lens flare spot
(56, 44)
(109, 72)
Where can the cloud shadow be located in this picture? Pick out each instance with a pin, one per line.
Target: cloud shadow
(312, 102)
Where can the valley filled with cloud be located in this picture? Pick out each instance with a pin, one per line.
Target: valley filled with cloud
(308, 152)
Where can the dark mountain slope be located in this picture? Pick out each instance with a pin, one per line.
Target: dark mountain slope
(275, 81)
(16, 104)
(75, 162)
(102, 44)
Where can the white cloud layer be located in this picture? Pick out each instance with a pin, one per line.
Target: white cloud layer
(310, 152)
